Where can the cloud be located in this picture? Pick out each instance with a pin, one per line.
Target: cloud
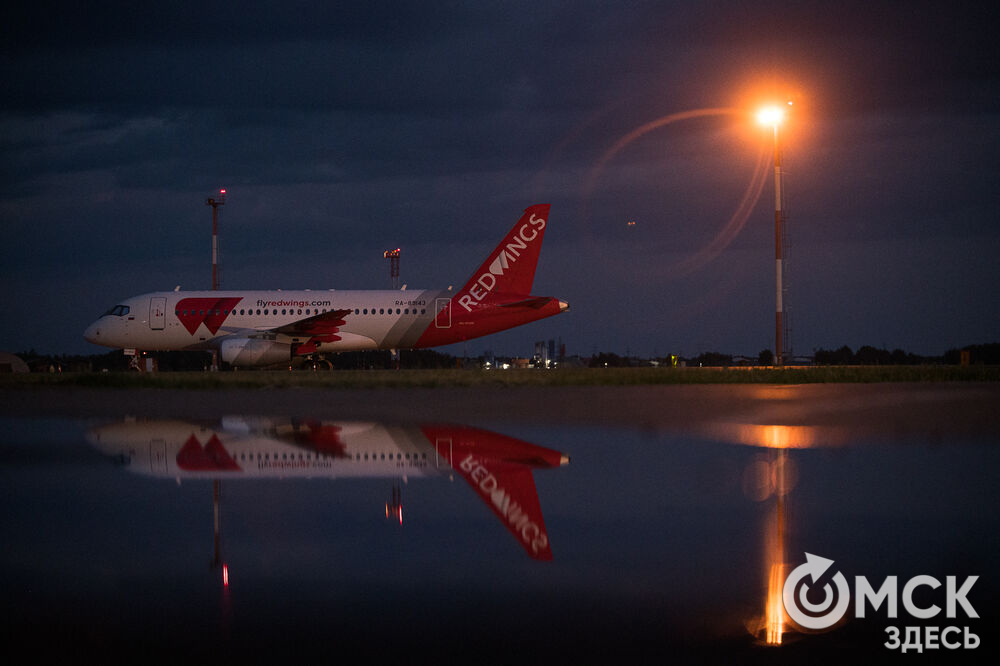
(342, 127)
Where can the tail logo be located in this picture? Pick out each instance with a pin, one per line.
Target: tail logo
(519, 521)
(508, 256)
(501, 263)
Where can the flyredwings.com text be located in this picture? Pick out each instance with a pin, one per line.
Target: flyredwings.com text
(292, 304)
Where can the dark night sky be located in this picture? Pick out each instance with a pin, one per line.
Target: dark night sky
(341, 130)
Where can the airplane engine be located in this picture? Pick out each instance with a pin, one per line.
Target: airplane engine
(247, 351)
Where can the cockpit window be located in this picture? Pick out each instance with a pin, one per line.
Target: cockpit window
(118, 311)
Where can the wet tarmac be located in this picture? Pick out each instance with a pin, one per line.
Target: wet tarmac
(635, 524)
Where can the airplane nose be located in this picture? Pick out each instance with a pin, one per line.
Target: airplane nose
(93, 334)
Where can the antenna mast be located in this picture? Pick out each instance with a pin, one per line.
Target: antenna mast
(393, 257)
(215, 203)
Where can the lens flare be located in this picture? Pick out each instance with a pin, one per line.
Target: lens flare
(736, 222)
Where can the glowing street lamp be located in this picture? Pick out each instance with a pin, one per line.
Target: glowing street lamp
(772, 116)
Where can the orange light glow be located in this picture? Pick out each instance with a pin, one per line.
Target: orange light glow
(225, 575)
(770, 116)
(774, 622)
(774, 436)
(774, 609)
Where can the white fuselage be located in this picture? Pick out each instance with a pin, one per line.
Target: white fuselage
(241, 448)
(163, 321)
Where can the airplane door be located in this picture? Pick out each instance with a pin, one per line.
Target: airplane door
(157, 456)
(443, 450)
(157, 313)
(443, 317)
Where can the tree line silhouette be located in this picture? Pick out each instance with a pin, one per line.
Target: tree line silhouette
(987, 354)
(983, 354)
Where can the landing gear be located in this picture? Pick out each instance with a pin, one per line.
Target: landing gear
(316, 362)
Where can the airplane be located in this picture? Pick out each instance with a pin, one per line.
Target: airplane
(497, 467)
(259, 328)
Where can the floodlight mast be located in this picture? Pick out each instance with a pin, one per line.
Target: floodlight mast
(393, 257)
(215, 203)
(773, 116)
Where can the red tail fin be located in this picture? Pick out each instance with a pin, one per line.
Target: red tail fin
(510, 268)
(499, 468)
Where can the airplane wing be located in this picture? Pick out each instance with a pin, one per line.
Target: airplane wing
(321, 324)
(313, 435)
(318, 328)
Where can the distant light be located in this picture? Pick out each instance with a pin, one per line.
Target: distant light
(225, 570)
(771, 116)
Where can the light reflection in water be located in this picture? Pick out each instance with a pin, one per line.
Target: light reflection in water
(771, 476)
(775, 555)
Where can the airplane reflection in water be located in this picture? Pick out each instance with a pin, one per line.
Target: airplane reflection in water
(497, 467)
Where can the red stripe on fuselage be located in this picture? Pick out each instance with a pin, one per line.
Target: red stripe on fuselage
(490, 316)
